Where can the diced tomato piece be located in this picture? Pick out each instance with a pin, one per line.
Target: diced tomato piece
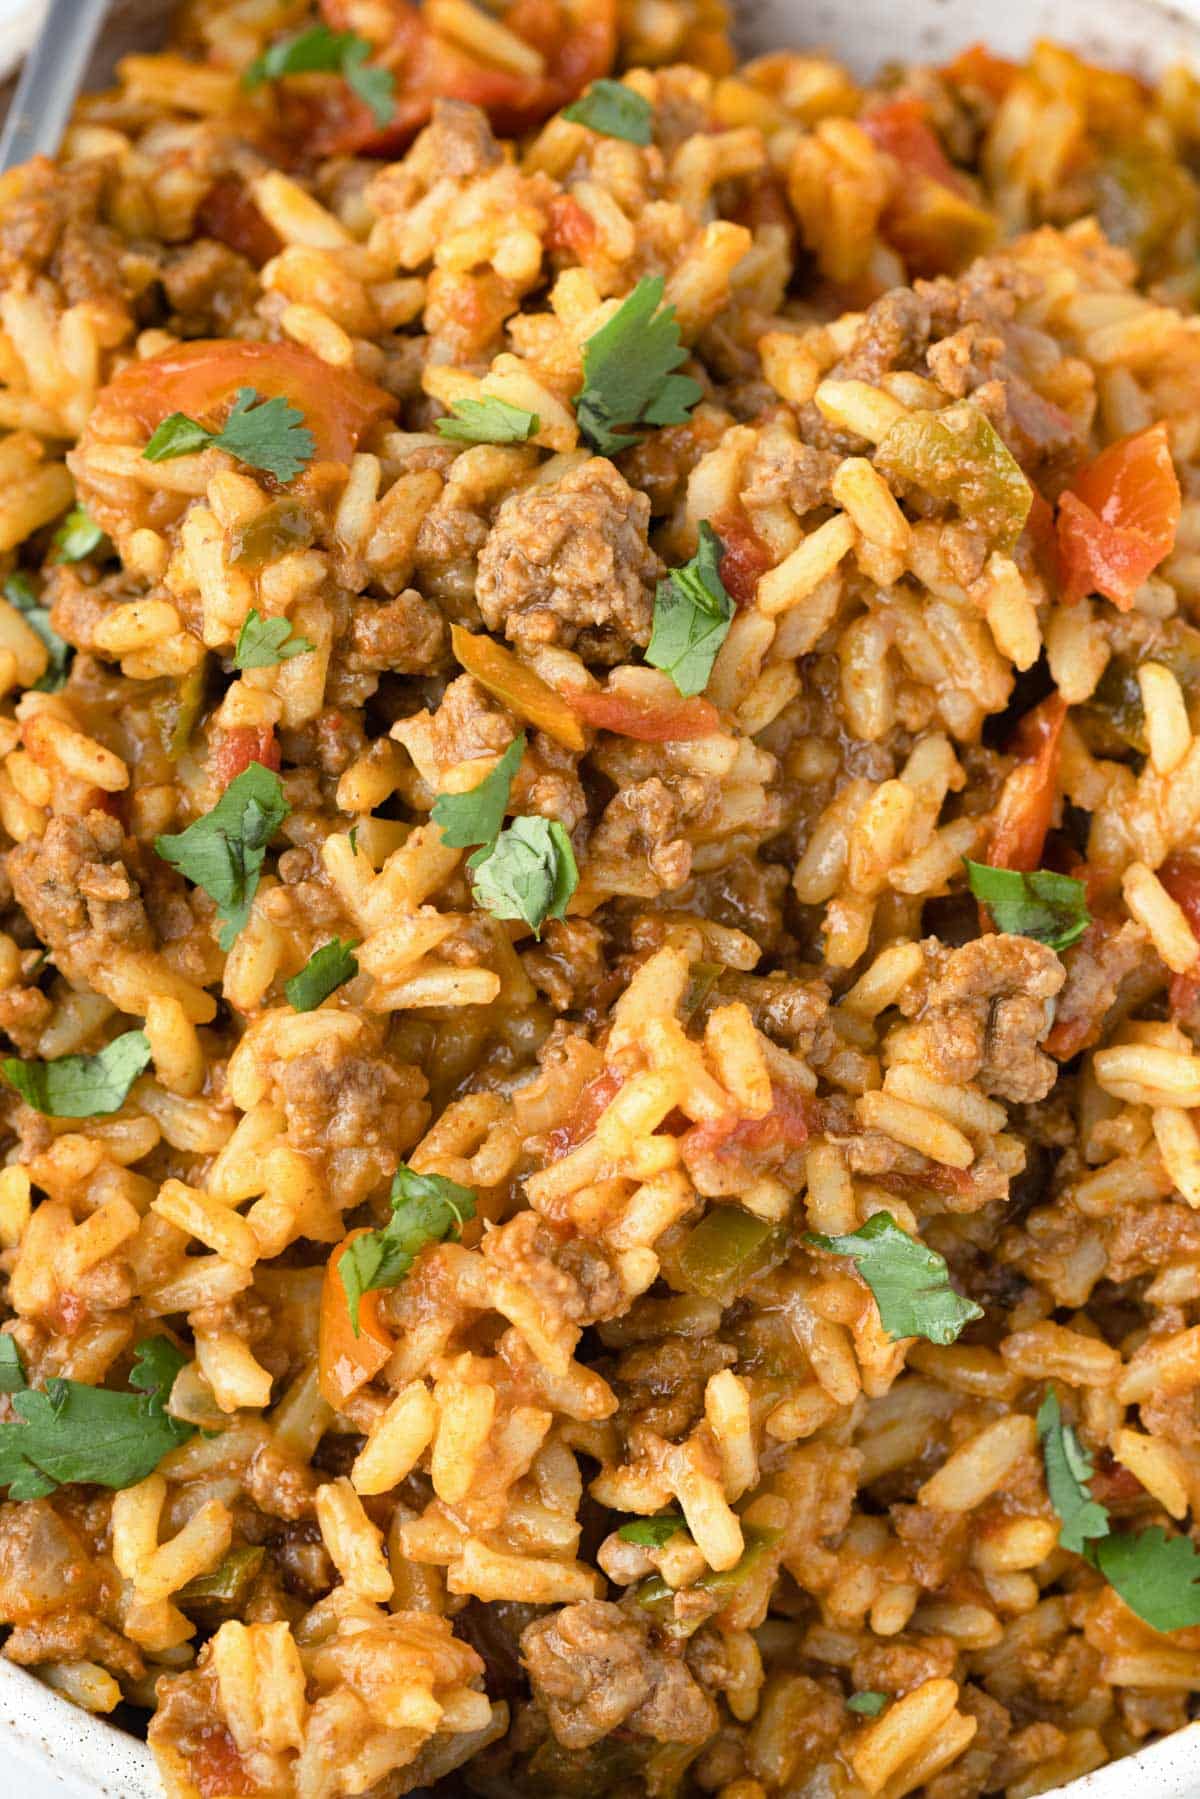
(745, 556)
(902, 128)
(1042, 535)
(1026, 807)
(1180, 875)
(649, 721)
(216, 1766)
(202, 379)
(595, 1098)
(792, 1118)
(228, 213)
(233, 751)
(571, 228)
(1117, 520)
(577, 45)
(977, 67)
(347, 1362)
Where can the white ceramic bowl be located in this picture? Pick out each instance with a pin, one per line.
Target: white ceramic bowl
(50, 1750)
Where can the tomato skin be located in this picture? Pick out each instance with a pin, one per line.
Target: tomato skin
(786, 1126)
(203, 378)
(233, 751)
(578, 1127)
(744, 554)
(902, 128)
(1180, 875)
(228, 213)
(429, 68)
(346, 1362)
(646, 721)
(1118, 518)
(1026, 806)
(571, 228)
(977, 67)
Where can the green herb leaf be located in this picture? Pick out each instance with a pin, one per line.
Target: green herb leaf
(489, 421)
(1049, 907)
(868, 1705)
(322, 51)
(78, 536)
(73, 1432)
(692, 615)
(264, 641)
(426, 1208)
(1157, 1576)
(614, 110)
(627, 378)
(910, 1281)
(1068, 1470)
(18, 591)
(376, 87)
(652, 1533)
(529, 872)
(12, 1375)
(327, 969)
(223, 851)
(81, 1086)
(477, 816)
(266, 434)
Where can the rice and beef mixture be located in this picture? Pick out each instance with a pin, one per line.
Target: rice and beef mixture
(600, 968)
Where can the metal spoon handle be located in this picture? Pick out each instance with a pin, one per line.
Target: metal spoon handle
(52, 76)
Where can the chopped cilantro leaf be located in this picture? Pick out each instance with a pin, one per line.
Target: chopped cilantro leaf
(1157, 1576)
(78, 536)
(692, 615)
(264, 641)
(477, 816)
(867, 1705)
(489, 421)
(18, 591)
(12, 1374)
(614, 110)
(528, 872)
(265, 434)
(910, 1281)
(627, 372)
(74, 1432)
(327, 969)
(1049, 907)
(1068, 1470)
(81, 1086)
(223, 851)
(322, 51)
(426, 1208)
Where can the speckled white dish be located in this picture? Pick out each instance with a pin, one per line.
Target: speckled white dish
(48, 1749)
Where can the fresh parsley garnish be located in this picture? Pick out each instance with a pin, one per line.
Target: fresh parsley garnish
(426, 1208)
(1068, 1470)
(627, 372)
(327, 969)
(18, 591)
(322, 51)
(1157, 1576)
(81, 1086)
(867, 1705)
(489, 421)
(652, 1533)
(266, 434)
(477, 816)
(614, 110)
(12, 1375)
(223, 851)
(1049, 907)
(73, 1432)
(78, 536)
(264, 641)
(529, 872)
(910, 1281)
(692, 615)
